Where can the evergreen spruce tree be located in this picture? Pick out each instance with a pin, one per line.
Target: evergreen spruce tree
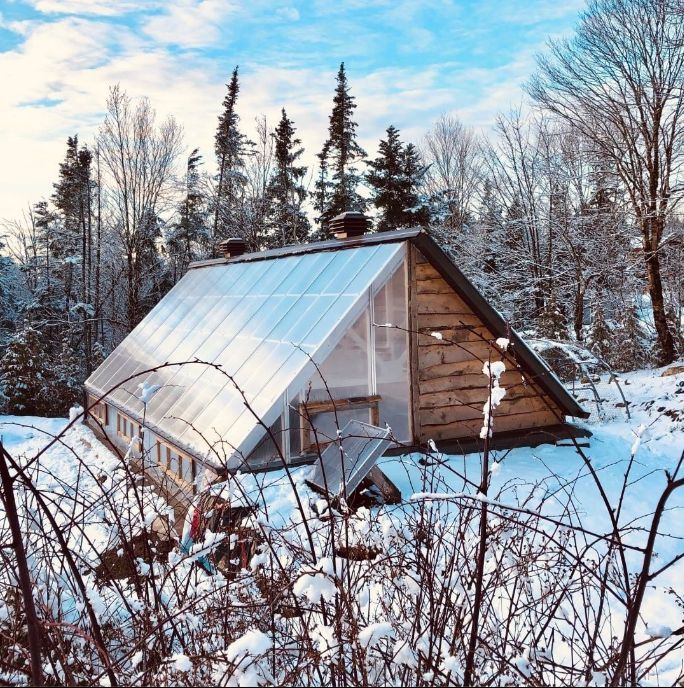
(22, 374)
(65, 199)
(231, 147)
(322, 194)
(72, 199)
(74, 241)
(394, 178)
(490, 221)
(286, 220)
(600, 339)
(10, 284)
(630, 349)
(147, 293)
(189, 236)
(65, 379)
(551, 323)
(417, 205)
(99, 354)
(337, 186)
(47, 308)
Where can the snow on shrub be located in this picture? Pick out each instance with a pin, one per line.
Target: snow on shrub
(493, 371)
(301, 612)
(370, 636)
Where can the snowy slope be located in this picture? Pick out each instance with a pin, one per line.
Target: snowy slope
(74, 470)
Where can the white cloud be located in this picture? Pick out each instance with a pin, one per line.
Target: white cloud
(56, 83)
(189, 23)
(93, 7)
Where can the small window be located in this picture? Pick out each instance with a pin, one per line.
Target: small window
(187, 469)
(125, 427)
(327, 417)
(179, 467)
(121, 426)
(173, 463)
(98, 410)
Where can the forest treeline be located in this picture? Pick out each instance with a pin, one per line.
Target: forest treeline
(565, 216)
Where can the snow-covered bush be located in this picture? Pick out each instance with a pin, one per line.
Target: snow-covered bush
(462, 583)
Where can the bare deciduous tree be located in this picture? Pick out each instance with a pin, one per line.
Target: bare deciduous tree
(258, 170)
(139, 156)
(619, 82)
(452, 153)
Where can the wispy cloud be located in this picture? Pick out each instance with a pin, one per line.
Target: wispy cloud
(93, 7)
(190, 23)
(289, 13)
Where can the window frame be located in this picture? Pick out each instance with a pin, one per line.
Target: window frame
(315, 408)
(98, 410)
(165, 452)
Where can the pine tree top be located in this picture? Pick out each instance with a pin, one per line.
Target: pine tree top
(341, 141)
(226, 132)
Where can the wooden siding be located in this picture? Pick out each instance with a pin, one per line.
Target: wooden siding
(451, 388)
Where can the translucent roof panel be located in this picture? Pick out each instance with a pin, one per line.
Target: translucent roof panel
(238, 328)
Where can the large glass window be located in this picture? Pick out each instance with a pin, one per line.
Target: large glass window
(391, 354)
(366, 377)
(346, 371)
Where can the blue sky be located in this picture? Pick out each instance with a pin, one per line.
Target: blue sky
(408, 62)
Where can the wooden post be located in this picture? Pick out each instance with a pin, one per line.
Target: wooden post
(414, 370)
(22, 571)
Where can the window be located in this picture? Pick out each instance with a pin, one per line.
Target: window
(346, 371)
(98, 410)
(392, 356)
(364, 378)
(187, 469)
(330, 416)
(179, 467)
(125, 427)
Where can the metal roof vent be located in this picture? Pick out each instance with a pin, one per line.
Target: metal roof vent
(349, 224)
(233, 247)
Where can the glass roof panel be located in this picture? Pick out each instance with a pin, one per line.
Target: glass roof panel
(248, 318)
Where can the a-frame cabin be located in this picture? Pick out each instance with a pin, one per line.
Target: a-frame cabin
(255, 359)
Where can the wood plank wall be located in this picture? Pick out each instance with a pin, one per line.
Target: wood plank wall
(452, 388)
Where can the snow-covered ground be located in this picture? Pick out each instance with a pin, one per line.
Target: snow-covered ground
(653, 436)
(73, 474)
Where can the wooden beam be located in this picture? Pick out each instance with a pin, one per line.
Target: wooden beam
(414, 367)
(471, 427)
(330, 405)
(432, 285)
(456, 378)
(443, 321)
(477, 396)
